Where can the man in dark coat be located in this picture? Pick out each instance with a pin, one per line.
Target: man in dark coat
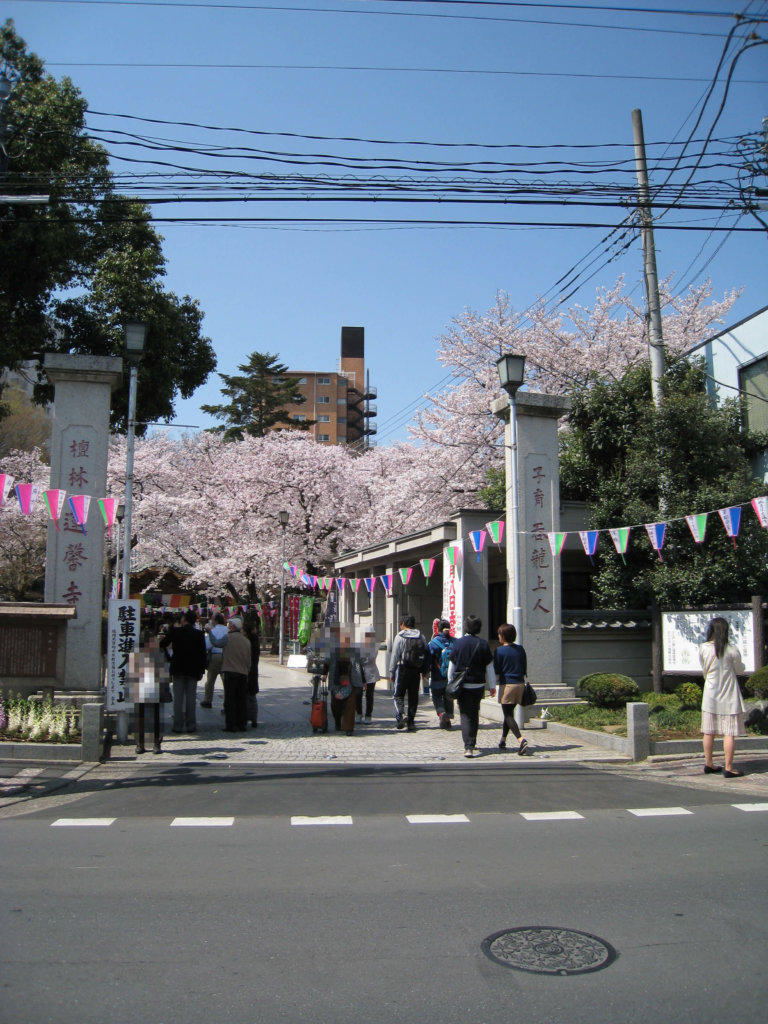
(188, 659)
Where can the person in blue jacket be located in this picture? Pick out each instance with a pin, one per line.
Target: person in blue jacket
(440, 647)
(510, 665)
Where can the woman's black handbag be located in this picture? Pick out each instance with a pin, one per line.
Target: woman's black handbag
(529, 695)
(454, 687)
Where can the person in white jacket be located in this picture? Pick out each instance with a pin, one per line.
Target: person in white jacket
(722, 706)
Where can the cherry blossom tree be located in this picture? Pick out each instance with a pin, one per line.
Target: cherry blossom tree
(563, 350)
(22, 537)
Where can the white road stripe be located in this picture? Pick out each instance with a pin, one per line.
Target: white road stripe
(341, 819)
(437, 819)
(202, 822)
(750, 807)
(551, 815)
(28, 773)
(657, 812)
(77, 822)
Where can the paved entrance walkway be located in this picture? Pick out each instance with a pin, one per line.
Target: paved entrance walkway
(284, 734)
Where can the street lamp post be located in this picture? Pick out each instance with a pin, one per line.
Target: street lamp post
(135, 336)
(283, 517)
(511, 375)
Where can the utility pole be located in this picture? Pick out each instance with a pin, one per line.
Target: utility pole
(655, 336)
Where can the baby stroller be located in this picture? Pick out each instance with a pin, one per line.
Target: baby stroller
(318, 717)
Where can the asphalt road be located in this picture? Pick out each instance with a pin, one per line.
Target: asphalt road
(241, 895)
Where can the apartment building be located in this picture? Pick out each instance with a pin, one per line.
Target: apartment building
(340, 400)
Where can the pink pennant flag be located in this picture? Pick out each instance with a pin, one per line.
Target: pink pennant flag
(314, 581)
(656, 533)
(387, 581)
(340, 581)
(354, 584)
(27, 495)
(54, 502)
(427, 567)
(731, 519)
(6, 486)
(405, 575)
(760, 505)
(370, 583)
(80, 503)
(108, 509)
(496, 530)
(478, 541)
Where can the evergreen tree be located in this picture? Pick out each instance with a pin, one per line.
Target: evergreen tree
(260, 398)
(636, 464)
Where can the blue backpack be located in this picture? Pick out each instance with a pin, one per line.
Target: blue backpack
(445, 658)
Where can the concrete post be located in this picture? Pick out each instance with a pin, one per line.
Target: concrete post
(638, 731)
(92, 726)
(75, 559)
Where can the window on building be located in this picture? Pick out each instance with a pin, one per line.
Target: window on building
(341, 420)
(302, 380)
(299, 417)
(323, 380)
(323, 400)
(341, 401)
(323, 419)
(753, 381)
(323, 437)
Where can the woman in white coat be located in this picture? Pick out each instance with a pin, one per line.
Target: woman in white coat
(722, 706)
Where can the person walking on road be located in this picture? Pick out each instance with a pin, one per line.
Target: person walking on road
(235, 666)
(187, 667)
(407, 665)
(472, 654)
(252, 630)
(215, 641)
(722, 706)
(345, 678)
(510, 666)
(440, 647)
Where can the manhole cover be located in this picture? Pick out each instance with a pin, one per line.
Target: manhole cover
(549, 950)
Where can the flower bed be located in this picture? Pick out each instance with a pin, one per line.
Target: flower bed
(38, 721)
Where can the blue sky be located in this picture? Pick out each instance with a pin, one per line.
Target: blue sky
(403, 72)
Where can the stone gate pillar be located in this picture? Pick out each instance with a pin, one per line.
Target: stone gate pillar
(538, 514)
(74, 567)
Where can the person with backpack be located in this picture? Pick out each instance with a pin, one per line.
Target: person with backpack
(440, 647)
(408, 663)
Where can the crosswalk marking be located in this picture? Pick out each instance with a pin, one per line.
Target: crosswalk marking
(436, 819)
(750, 807)
(78, 822)
(339, 819)
(551, 815)
(202, 822)
(657, 812)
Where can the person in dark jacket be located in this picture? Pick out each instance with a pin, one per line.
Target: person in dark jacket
(187, 666)
(235, 666)
(252, 630)
(471, 652)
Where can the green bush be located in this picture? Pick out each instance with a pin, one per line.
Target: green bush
(757, 684)
(689, 695)
(607, 689)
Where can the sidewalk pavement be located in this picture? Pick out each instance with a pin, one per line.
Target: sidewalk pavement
(284, 736)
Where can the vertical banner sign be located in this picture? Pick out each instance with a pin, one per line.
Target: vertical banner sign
(292, 611)
(760, 505)
(123, 624)
(306, 607)
(453, 589)
(698, 526)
